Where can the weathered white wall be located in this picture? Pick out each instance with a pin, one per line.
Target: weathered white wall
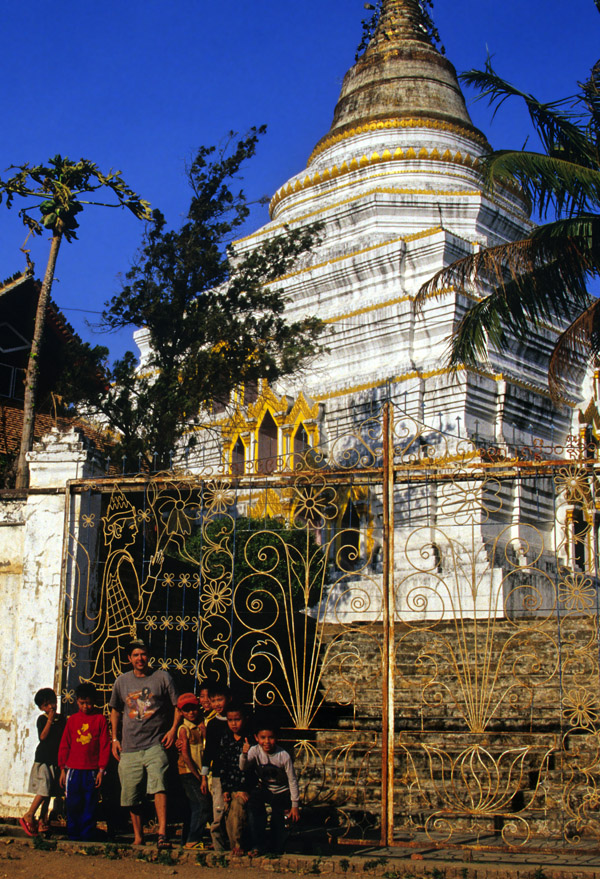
(31, 549)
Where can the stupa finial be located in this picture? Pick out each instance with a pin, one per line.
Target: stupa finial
(399, 21)
(401, 75)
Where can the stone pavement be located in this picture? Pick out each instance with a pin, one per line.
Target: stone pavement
(389, 863)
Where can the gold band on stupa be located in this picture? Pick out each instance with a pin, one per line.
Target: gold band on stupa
(402, 76)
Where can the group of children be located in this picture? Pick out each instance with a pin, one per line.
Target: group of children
(72, 755)
(215, 739)
(230, 769)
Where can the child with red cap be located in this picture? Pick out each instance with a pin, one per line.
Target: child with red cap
(190, 737)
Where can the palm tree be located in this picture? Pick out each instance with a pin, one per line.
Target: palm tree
(55, 191)
(545, 275)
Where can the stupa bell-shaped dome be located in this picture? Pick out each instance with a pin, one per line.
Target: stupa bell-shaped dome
(401, 75)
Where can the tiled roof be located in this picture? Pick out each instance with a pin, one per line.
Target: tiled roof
(11, 425)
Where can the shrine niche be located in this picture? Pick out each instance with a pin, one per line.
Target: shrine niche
(269, 434)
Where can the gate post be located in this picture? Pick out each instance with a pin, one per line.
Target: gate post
(388, 615)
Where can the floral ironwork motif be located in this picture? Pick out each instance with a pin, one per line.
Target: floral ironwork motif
(573, 482)
(218, 497)
(580, 708)
(216, 598)
(578, 592)
(278, 584)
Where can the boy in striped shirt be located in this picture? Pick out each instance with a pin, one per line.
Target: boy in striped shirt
(276, 785)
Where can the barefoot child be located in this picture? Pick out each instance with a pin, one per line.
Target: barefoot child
(83, 757)
(277, 785)
(43, 780)
(190, 742)
(220, 697)
(234, 785)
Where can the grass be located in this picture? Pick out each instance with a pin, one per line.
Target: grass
(44, 845)
(372, 865)
(112, 852)
(220, 861)
(165, 857)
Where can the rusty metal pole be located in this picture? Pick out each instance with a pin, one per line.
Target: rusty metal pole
(387, 658)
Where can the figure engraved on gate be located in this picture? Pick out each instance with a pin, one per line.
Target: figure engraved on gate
(121, 609)
(106, 616)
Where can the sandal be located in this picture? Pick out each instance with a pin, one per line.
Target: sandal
(197, 845)
(43, 826)
(163, 844)
(28, 826)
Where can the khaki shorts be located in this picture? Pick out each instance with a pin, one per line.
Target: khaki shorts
(141, 773)
(43, 780)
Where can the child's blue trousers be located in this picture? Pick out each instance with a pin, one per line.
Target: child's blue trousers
(82, 799)
(200, 807)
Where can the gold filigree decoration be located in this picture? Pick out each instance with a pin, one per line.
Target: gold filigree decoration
(580, 708)
(215, 598)
(577, 592)
(218, 497)
(573, 482)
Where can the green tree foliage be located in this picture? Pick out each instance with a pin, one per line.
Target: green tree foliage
(266, 554)
(214, 316)
(55, 197)
(82, 374)
(546, 274)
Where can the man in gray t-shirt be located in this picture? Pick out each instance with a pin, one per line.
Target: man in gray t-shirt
(143, 702)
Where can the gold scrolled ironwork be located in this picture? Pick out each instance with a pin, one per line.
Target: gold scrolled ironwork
(420, 608)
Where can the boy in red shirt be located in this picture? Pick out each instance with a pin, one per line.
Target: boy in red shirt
(83, 757)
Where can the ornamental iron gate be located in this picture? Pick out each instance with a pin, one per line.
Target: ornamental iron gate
(420, 611)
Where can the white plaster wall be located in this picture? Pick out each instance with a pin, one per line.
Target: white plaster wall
(31, 548)
(12, 532)
(31, 655)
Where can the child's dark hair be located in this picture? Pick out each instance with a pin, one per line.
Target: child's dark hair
(86, 691)
(237, 706)
(216, 689)
(46, 694)
(266, 721)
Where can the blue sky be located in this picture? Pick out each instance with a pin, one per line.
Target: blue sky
(140, 85)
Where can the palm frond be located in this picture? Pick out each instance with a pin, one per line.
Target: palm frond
(590, 101)
(549, 182)
(557, 126)
(544, 276)
(540, 278)
(573, 348)
(568, 249)
(481, 326)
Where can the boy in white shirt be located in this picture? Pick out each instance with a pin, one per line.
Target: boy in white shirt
(276, 785)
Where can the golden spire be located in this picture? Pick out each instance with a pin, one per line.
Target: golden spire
(401, 75)
(399, 21)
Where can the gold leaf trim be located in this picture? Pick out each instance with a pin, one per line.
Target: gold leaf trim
(364, 161)
(395, 122)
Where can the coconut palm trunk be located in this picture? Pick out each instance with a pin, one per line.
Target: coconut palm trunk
(31, 378)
